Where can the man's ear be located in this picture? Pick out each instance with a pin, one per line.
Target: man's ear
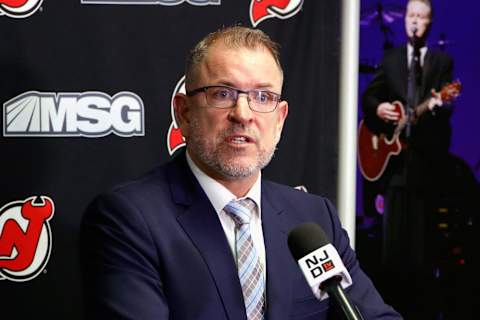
(282, 114)
(182, 113)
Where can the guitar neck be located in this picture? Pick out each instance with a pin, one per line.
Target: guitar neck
(447, 94)
(418, 111)
(421, 109)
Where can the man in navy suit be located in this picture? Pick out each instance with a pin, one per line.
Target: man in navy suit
(164, 246)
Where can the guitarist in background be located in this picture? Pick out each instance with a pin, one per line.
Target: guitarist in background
(410, 177)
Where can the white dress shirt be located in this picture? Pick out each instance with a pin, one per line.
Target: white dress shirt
(423, 52)
(220, 196)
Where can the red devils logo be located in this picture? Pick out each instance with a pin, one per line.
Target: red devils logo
(19, 8)
(264, 9)
(25, 238)
(175, 139)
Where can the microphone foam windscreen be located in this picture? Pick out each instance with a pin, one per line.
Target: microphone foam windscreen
(306, 238)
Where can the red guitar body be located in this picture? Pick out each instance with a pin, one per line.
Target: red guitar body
(374, 152)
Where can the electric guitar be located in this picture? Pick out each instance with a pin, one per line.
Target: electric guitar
(374, 151)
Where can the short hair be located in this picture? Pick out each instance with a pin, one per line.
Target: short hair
(233, 37)
(428, 3)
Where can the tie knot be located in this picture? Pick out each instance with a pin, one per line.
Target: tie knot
(240, 210)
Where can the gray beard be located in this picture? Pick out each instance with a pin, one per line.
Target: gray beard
(211, 155)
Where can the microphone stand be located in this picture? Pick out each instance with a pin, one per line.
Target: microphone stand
(412, 86)
(412, 100)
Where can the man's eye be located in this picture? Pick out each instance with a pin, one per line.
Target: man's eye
(222, 94)
(262, 96)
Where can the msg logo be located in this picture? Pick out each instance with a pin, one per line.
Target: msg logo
(87, 114)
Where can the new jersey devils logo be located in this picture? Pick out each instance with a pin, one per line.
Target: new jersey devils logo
(264, 9)
(19, 8)
(175, 139)
(25, 238)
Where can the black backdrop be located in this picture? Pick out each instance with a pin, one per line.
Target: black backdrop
(91, 50)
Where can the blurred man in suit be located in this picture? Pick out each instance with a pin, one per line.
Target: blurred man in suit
(412, 74)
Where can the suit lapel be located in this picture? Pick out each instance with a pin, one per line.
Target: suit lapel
(403, 76)
(279, 282)
(427, 65)
(201, 223)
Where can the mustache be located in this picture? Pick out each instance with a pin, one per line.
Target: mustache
(238, 128)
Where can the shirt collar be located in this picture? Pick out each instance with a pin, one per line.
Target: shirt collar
(218, 195)
(423, 52)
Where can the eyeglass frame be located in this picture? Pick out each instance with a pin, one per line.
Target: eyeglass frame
(238, 91)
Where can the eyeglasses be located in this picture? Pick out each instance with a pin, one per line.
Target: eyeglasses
(224, 97)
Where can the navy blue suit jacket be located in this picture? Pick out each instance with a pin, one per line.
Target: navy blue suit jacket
(155, 249)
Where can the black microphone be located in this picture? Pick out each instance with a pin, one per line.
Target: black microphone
(415, 39)
(414, 31)
(322, 267)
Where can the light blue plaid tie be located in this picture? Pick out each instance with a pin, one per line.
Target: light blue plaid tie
(249, 265)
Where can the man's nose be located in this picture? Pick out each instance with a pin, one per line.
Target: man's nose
(241, 111)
